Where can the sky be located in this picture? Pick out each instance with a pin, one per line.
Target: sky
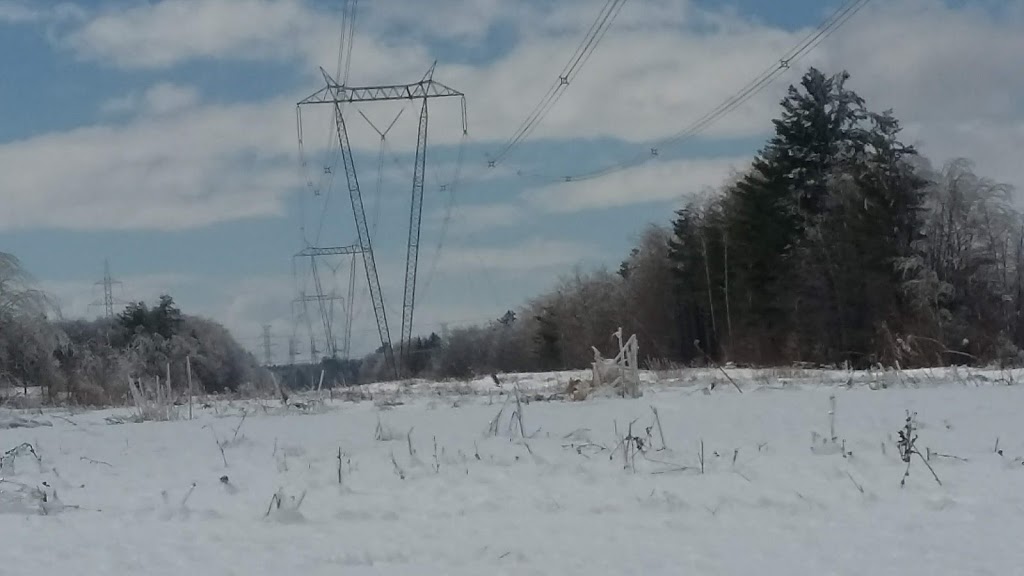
(161, 135)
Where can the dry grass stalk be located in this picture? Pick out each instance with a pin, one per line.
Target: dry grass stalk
(701, 456)
(907, 447)
(398, 469)
(661, 433)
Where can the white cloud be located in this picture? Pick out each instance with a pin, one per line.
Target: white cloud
(531, 254)
(166, 97)
(18, 12)
(121, 104)
(993, 147)
(159, 99)
(470, 218)
(168, 32)
(26, 12)
(200, 166)
(655, 181)
(932, 62)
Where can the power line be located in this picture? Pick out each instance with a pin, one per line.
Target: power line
(832, 23)
(597, 30)
(348, 32)
(451, 188)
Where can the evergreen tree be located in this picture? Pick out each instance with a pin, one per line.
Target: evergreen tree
(831, 187)
(548, 341)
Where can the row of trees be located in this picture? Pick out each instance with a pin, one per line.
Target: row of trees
(839, 245)
(90, 362)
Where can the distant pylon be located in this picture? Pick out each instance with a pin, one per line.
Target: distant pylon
(108, 290)
(293, 349)
(268, 355)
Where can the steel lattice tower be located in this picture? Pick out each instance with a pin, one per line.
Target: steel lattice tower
(107, 283)
(336, 95)
(268, 355)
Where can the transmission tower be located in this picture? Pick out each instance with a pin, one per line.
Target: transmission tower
(337, 95)
(325, 302)
(268, 355)
(349, 310)
(293, 349)
(107, 283)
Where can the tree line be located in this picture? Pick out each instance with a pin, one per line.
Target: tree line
(90, 362)
(840, 244)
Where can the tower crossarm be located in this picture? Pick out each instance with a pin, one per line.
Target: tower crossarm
(334, 93)
(317, 298)
(330, 251)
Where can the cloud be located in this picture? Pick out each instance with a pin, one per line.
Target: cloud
(245, 305)
(159, 99)
(121, 104)
(469, 218)
(993, 147)
(653, 182)
(166, 97)
(932, 62)
(24, 12)
(167, 33)
(531, 254)
(170, 32)
(200, 166)
(18, 12)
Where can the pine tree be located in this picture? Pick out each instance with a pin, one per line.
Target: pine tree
(548, 341)
(814, 230)
(688, 252)
(788, 265)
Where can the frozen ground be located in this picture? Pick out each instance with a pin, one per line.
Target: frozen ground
(148, 499)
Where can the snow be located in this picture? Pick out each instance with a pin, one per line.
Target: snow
(147, 498)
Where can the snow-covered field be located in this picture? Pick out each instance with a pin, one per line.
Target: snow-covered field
(427, 487)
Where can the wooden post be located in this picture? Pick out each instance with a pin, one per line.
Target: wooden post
(170, 393)
(188, 370)
(159, 396)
